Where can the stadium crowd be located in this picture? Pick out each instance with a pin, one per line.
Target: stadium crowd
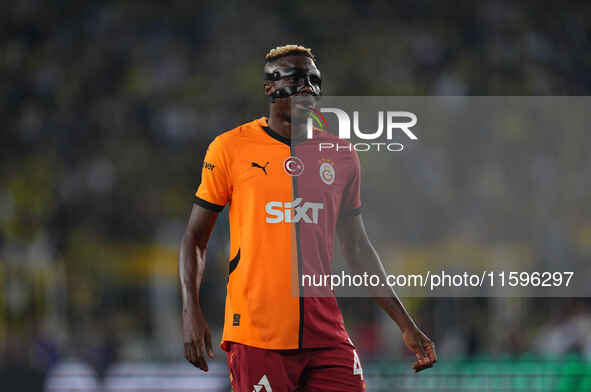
(108, 107)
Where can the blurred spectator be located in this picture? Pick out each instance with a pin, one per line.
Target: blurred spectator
(108, 108)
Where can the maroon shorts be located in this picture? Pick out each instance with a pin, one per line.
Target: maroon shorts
(309, 370)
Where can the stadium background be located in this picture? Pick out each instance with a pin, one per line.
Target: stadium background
(107, 108)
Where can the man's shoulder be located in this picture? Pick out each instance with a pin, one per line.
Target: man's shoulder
(241, 131)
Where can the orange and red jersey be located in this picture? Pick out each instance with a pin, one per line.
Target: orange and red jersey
(284, 203)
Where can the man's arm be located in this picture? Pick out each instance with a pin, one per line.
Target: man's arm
(362, 257)
(196, 336)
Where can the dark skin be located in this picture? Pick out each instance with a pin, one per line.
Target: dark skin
(353, 238)
(196, 335)
(362, 257)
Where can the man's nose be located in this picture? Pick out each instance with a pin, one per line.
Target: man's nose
(308, 87)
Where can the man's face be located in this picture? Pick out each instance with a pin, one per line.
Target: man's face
(292, 75)
(296, 76)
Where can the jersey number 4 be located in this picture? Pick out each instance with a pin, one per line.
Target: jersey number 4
(357, 370)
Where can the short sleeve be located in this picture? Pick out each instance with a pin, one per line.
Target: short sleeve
(351, 203)
(215, 189)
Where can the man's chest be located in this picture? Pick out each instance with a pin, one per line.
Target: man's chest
(290, 173)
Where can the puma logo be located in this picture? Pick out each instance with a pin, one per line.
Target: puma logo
(263, 168)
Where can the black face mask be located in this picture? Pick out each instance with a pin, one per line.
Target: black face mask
(298, 78)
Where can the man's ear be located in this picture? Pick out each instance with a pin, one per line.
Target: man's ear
(268, 87)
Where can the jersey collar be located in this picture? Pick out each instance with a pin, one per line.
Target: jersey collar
(280, 138)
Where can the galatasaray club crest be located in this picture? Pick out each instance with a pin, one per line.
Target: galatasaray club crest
(327, 172)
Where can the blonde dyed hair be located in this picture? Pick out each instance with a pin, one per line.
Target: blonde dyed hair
(287, 50)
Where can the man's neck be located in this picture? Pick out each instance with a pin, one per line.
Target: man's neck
(283, 126)
(280, 125)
